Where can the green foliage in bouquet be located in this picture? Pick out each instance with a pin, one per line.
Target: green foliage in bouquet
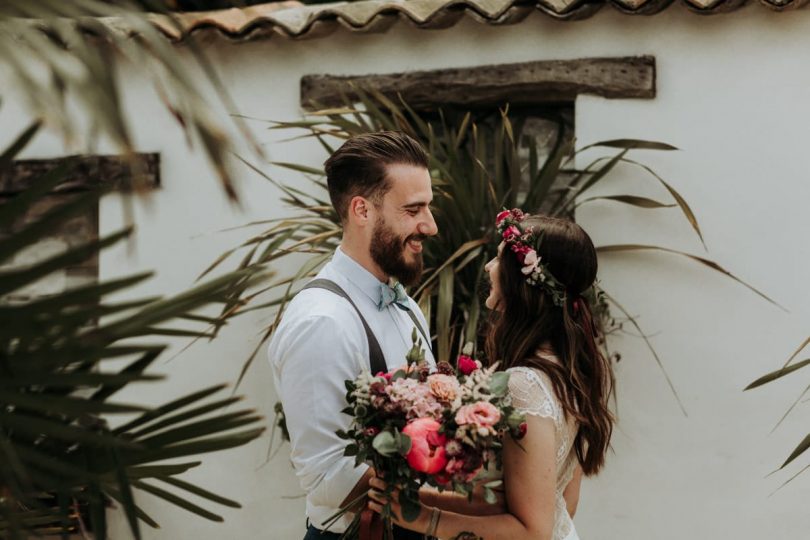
(477, 171)
(790, 366)
(63, 359)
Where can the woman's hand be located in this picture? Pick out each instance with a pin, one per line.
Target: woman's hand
(378, 499)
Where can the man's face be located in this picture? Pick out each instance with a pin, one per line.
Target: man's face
(403, 221)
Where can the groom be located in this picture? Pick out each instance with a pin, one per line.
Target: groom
(355, 315)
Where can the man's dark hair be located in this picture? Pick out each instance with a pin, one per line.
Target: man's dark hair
(358, 167)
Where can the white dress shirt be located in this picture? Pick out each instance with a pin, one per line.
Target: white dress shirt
(319, 344)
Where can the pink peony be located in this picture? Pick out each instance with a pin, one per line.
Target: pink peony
(466, 365)
(480, 414)
(427, 445)
(444, 387)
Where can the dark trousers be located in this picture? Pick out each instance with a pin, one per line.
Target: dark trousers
(399, 534)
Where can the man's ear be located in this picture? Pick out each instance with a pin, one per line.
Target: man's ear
(359, 210)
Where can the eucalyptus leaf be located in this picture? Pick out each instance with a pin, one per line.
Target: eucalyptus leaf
(385, 443)
(499, 383)
(411, 508)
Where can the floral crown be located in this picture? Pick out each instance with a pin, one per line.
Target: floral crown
(524, 244)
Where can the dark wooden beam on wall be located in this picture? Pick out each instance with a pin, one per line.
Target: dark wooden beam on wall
(115, 172)
(481, 86)
(88, 172)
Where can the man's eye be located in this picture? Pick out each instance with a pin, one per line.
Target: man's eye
(412, 212)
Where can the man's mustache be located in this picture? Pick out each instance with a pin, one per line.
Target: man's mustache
(417, 237)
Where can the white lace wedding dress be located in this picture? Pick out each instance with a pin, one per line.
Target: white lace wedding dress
(533, 394)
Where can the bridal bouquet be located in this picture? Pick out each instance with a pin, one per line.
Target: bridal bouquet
(442, 428)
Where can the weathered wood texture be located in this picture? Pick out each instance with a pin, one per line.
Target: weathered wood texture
(481, 86)
(114, 172)
(89, 171)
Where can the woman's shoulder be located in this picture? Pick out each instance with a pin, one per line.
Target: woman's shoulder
(531, 391)
(529, 377)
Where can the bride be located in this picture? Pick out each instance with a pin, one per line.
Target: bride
(543, 334)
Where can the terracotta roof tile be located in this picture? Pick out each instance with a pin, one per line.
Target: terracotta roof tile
(295, 20)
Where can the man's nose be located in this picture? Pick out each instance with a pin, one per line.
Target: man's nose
(428, 227)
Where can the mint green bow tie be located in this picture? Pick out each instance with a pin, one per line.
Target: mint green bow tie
(393, 295)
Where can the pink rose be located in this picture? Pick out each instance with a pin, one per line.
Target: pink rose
(510, 232)
(427, 445)
(502, 216)
(444, 387)
(480, 414)
(466, 365)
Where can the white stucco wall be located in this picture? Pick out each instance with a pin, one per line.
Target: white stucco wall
(731, 95)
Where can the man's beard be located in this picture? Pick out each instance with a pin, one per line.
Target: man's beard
(388, 251)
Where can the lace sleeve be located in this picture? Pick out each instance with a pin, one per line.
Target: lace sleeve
(530, 394)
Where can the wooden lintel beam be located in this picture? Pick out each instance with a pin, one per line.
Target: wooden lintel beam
(115, 172)
(494, 85)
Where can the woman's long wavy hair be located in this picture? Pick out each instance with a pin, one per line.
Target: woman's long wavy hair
(528, 320)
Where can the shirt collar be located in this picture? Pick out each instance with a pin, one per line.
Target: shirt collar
(355, 273)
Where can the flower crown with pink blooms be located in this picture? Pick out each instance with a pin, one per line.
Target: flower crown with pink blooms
(524, 243)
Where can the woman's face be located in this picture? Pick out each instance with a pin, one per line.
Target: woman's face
(492, 268)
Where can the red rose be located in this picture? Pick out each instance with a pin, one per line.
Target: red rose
(510, 232)
(466, 365)
(372, 431)
(522, 430)
(502, 216)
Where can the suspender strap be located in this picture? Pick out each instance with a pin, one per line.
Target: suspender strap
(419, 326)
(376, 358)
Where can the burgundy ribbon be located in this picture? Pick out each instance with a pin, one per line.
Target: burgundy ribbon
(371, 525)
